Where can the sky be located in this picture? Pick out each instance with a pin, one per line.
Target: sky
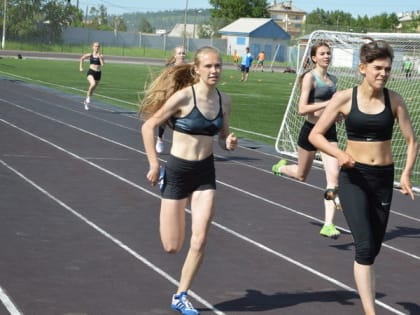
(354, 7)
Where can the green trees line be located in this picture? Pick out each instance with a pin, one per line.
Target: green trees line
(44, 20)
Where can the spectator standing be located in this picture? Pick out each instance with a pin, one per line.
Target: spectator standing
(236, 58)
(246, 63)
(260, 61)
(408, 68)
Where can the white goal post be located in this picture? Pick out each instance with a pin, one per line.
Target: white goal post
(345, 58)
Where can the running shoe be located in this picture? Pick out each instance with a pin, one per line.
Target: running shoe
(160, 146)
(329, 230)
(86, 103)
(181, 304)
(276, 167)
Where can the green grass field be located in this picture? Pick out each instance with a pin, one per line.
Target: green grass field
(258, 104)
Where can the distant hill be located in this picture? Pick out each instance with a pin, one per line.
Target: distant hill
(166, 19)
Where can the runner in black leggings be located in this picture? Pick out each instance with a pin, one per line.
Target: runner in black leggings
(367, 167)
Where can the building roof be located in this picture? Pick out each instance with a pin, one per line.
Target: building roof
(255, 27)
(285, 6)
(179, 29)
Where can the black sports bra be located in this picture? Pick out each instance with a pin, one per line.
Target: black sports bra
(369, 127)
(94, 60)
(322, 91)
(194, 123)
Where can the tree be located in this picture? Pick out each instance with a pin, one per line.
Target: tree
(119, 24)
(227, 11)
(145, 26)
(411, 26)
(235, 9)
(40, 20)
(384, 22)
(204, 31)
(341, 21)
(58, 15)
(329, 20)
(100, 18)
(23, 18)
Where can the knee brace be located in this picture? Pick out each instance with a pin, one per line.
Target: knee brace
(332, 194)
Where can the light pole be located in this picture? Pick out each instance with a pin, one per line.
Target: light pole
(185, 24)
(3, 37)
(195, 21)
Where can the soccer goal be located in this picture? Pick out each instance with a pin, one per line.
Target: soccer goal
(345, 59)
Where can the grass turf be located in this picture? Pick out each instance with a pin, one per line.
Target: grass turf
(258, 104)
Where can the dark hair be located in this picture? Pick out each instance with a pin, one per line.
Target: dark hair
(308, 61)
(315, 47)
(375, 49)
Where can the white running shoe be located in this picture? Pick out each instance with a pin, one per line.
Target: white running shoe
(160, 146)
(86, 103)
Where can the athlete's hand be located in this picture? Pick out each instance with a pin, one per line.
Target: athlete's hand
(406, 187)
(345, 160)
(231, 142)
(153, 175)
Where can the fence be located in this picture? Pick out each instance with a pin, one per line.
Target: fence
(84, 36)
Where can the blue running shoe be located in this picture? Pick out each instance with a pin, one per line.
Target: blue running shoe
(181, 304)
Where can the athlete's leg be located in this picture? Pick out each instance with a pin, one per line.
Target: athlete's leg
(300, 170)
(202, 203)
(172, 224)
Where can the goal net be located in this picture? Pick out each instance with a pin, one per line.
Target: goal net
(345, 59)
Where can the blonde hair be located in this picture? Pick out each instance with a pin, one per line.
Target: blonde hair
(169, 81)
(164, 86)
(171, 61)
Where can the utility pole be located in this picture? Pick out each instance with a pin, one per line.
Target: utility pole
(185, 24)
(3, 37)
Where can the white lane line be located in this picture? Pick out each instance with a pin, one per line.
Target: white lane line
(86, 114)
(108, 235)
(232, 232)
(303, 266)
(142, 152)
(8, 304)
(309, 216)
(222, 183)
(66, 87)
(118, 100)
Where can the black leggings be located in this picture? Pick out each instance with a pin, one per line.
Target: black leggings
(365, 195)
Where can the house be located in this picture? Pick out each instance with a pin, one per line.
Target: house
(289, 17)
(190, 31)
(258, 34)
(409, 18)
